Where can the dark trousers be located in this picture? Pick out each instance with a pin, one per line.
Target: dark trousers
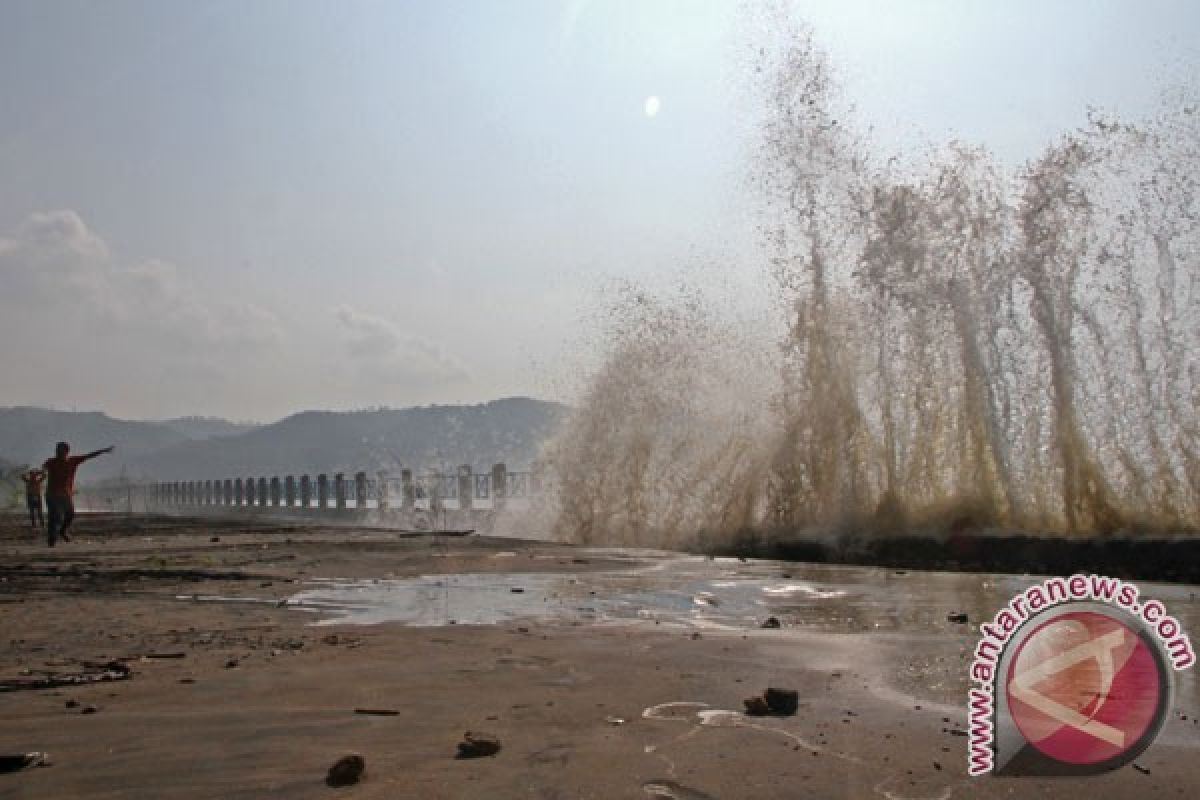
(34, 503)
(60, 511)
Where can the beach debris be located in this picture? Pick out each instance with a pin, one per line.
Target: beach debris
(959, 617)
(231, 663)
(15, 762)
(378, 712)
(756, 706)
(214, 538)
(771, 622)
(477, 745)
(72, 703)
(615, 720)
(705, 599)
(97, 673)
(346, 770)
(164, 655)
(669, 790)
(89, 710)
(1141, 769)
(782, 701)
(779, 702)
(517, 590)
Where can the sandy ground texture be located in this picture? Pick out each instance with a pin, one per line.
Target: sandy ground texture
(248, 698)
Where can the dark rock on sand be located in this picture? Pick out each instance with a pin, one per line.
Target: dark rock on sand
(346, 770)
(757, 706)
(478, 745)
(782, 701)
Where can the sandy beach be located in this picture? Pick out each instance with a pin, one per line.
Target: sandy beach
(237, 668)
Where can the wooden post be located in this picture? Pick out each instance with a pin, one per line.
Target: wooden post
(322, 491)
(305, 491)
(262, 493)
(499, 486)
(276, 491)
(289, 491)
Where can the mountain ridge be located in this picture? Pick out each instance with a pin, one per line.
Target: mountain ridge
(508, 429)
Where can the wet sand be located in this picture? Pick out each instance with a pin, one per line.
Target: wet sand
(236, 691)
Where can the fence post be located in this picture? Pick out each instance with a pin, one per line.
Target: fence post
(261, 494)
(408, 492)
(360, 490)
(322, 491)
(305, 491)
(466, 488)
(381, 490)
(239, 494)
(289, 491)
(499, 486)
(228, 490)
(339, 490)
(275, 491)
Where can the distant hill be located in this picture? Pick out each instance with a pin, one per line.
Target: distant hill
(207, 427)
(28, 436)
(509, 430)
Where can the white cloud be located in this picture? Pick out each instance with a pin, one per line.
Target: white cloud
(54, 266)
(390, 353)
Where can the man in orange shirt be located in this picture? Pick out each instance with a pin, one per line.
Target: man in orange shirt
(60, 485)
(33, 496)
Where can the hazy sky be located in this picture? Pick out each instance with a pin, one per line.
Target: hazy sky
(250, 208)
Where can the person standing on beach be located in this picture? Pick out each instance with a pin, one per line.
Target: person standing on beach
(33, 496)
(60, 486)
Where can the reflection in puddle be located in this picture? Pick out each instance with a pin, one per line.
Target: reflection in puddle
(686, 596)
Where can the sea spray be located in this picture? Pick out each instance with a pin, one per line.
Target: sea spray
(962, 345)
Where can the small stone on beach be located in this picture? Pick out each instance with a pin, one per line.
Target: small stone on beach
(756, 706)
(346, 770)
(478, 745)
(782, 701)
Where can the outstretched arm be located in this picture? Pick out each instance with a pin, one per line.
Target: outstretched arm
(95, 453)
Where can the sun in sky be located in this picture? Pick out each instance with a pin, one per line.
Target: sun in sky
(653, 104)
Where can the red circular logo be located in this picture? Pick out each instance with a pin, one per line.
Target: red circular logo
(1085, 688)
